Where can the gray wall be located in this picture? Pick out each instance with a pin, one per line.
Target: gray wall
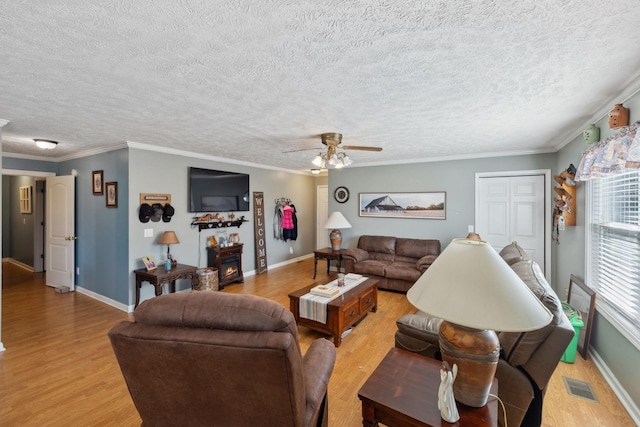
(154, 172)
(617, 352)
(456, 178)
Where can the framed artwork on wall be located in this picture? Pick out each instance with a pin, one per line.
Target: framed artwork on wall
(430, 205)
(112, 194)
(583, 299)
(97, 179)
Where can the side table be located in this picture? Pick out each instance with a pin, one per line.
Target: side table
(328, 254)
(160, 276)
(403, 391)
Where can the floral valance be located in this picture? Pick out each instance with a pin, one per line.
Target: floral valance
(612, 155)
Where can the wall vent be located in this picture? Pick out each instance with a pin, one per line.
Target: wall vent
(579, 389)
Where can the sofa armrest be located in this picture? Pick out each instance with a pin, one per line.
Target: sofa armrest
(425, 262)
(420, 325)
(318, 364)
(355, 254)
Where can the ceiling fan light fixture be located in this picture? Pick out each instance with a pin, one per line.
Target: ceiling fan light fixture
(46, 144)
(346, 160)
(318, 161)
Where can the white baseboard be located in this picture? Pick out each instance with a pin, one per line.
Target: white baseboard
(617, 388)
(102, 298)
(18, 264)
(280, 264)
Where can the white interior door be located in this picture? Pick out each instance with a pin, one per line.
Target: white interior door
(60, 231)
(512, 208)
(322, 214)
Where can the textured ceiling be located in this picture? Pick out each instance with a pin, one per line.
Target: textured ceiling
(250, 80)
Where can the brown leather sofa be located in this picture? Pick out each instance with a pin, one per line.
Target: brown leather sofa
(396, 262)
(210, 358)
(527, 359)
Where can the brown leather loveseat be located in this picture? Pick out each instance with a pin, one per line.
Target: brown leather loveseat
(527, 359)
(216, 359)
(396, 262)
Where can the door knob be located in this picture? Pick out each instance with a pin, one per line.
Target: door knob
(71, 238)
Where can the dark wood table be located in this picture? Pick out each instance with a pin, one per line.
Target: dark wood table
(343, 311)
(403, 391)
(328, 254)
(159, 276)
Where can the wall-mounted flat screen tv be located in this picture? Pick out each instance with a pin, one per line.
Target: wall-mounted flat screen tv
(218, 191)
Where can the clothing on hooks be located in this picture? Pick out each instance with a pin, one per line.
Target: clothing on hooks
(285, 221)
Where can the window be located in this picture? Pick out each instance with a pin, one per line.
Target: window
(613, 257)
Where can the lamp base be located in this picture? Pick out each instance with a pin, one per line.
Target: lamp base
(336, 239)
(476, 353)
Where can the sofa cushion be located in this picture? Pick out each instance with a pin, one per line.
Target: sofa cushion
(513, 253)
(416, 248)
(517, 347)
(380, 244)
(371, 266)
(403, 271)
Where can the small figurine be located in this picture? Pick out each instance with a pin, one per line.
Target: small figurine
(446, 400)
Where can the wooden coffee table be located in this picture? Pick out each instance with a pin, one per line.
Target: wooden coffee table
(343, 311)
(403, 391)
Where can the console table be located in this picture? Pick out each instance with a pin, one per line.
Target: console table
(160, 276)
(403, 391)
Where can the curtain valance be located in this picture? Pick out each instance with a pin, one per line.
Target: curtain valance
(612, 155)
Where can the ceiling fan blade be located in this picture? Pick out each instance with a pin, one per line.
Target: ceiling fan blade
(302, 149)
(361, 148)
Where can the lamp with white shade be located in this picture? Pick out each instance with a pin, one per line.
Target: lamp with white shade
(475, 292)
(335, 222)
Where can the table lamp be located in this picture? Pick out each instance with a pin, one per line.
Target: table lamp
(336, 221)
(475, 292)
(169, 238)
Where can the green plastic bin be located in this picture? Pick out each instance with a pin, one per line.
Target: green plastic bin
(569, 355)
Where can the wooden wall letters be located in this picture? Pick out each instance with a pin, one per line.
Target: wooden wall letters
(259, 233)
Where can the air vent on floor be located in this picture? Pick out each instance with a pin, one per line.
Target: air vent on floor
(579, 389)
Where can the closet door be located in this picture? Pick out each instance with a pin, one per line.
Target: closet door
(512, 208)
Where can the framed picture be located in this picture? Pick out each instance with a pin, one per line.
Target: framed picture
(112, 194)
(583, 299)
(431, 205)
(149, 263)
(25, 200)
(97, 180)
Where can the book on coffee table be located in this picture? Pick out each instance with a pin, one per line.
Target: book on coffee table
(325, 291)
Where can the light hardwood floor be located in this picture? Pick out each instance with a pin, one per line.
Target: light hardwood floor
(59, 369)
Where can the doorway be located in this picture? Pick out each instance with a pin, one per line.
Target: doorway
(513, 206)
(322, 213)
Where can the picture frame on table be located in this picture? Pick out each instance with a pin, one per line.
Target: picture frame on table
(149, 263)
(97, 178)
(112, 194)
(425, 205)
(583, 299)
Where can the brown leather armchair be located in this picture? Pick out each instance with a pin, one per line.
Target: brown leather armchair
(210, 358)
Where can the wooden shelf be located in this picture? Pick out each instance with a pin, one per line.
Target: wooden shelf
(567, 193)
(218, 224)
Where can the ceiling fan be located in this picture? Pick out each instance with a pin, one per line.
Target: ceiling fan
(333, 157)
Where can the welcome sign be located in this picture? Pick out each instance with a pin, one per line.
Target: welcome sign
(259, 233)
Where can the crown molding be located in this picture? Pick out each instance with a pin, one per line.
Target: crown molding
(184, 153)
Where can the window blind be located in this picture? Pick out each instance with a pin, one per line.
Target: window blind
(614, 240)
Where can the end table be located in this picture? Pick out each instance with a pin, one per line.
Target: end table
(403, 391)
(160, 276)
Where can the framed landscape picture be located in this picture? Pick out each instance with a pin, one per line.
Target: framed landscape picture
(431, 205)
(583, 299)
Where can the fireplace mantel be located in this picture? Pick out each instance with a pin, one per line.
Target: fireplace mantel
(228, 261)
